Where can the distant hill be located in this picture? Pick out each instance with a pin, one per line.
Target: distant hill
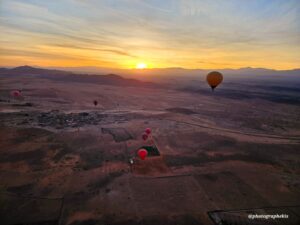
(142, 74)
(29, 70)
(65, 76)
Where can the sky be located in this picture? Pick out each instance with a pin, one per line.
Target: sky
(125, 34)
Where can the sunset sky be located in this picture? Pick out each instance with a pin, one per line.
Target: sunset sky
(155, 34)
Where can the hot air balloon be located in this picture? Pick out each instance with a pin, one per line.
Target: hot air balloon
(214, 78)
(15, 93)
(95, 102)
(142, 153)
(148, 131)
(145, 136)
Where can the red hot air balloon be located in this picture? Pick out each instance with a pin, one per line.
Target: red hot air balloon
(15, 93)
(142, 153)
(145, 136)
(148, 131)
(95, 102)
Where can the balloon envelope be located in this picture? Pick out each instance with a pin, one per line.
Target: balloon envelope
(145, 136)
(95, 103)
(142, 153)
(15, 93)
(214, 78)
(148, 131)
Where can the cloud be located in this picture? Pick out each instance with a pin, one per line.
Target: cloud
(119, 52)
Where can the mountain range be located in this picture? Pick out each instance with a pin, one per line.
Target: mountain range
(177, 71)
(67, 76)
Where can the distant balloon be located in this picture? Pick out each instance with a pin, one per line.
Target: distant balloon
(142, 153)
(214, 79)
(95, 102)
(148, 131)
(145, 136)
(15, 93)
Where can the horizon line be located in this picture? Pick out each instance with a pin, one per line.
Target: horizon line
(157, 68)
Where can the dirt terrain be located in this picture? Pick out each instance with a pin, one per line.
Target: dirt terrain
(64, 160)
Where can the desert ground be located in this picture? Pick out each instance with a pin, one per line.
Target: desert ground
(64, 160)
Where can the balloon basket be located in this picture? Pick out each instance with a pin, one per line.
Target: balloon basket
(152, 150)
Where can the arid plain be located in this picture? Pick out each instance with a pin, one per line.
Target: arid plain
(63, 159)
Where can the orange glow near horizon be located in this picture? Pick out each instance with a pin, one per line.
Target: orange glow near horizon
(68, 56)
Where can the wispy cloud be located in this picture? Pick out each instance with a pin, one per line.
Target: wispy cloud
(114, 51)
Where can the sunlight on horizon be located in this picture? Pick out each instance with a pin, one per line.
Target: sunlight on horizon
(141, 66)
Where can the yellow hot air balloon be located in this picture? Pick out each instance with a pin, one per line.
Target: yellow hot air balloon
(214, 78)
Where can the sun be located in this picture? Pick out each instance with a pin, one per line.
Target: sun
(141, 66)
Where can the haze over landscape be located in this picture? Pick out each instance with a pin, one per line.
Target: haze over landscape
(208, 90)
